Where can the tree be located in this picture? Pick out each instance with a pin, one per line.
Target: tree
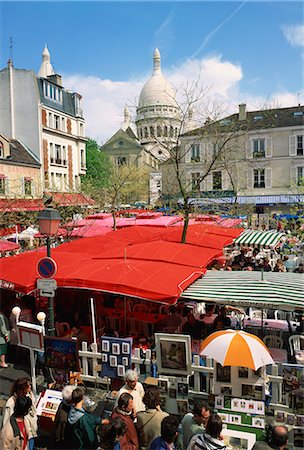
(98, 172)
(126, 184)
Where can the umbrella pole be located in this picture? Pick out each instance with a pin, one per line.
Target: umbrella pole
(93, 320)
(125, 314)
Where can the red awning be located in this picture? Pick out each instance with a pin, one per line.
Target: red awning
(16, 205)
(70, 199)
(6, 246)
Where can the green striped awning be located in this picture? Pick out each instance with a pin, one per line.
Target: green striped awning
(277, 290)
(255, 237)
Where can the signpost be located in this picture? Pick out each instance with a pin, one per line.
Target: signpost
(46, 267)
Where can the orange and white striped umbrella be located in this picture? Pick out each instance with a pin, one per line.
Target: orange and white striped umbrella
(236, 348)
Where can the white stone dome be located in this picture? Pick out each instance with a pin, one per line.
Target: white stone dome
(157, 90)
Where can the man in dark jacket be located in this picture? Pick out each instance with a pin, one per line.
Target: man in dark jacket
(57, 438)
(278, 440)
(81, 427)
(124, 409)
(168, 434)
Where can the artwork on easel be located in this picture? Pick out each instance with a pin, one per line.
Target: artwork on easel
(116, 356)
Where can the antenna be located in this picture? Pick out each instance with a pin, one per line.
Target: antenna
(298, 95)
(11, 52)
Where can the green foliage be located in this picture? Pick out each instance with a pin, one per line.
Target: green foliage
(98, 166)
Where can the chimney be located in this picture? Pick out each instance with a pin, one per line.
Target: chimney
(55, 79)
(242, 112)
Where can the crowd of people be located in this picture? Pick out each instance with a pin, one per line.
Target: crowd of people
(137, 422)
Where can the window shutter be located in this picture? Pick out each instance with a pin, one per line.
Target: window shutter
(187, 153)
(249, 148)
(225, 180)
(249, 178)
(203, 151)
(268, 178)
(22, 186)
(208, 180)
(293, 174)
(268, 151)
(292, 145)
(7, 185)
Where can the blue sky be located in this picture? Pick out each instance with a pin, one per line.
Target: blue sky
(244, 51)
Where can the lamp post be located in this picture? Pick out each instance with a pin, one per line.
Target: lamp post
(48, 221)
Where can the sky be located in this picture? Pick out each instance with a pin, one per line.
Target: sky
(239, 51)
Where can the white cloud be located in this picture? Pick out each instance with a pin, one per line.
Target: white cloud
(104, 100)
(294, 34)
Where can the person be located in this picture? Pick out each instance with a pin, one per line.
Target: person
(16, 432)
(109, 434)
(194, 327)
(22, 388)
(300, 268)
(173, 320)
(81, 427)
(194, 423)
(278, 440)
(168, 434)
(211, 438)
(58, 436)
(222, 321)
(149, 421)
(4, 339)
(124, 409)
(135, 388)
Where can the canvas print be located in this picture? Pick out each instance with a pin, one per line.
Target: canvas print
(115, 349)
(243, 372)
(300, 421)
(280, 416)
(226, 390)
(113, 361)
(182, 389)
(235, 419)
(252, 391)
(120, 370)
(219, 402)
(258, 422)
(105, 345)
(182, 407)
(290, 419)
(104, 357)
(61, 353)
(224, 417)
(173, 354)
(223, 374)
(163, 384)
(125, 361)
(172, 393)
(125, 348)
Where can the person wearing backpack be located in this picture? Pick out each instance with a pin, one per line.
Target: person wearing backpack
(4, 339)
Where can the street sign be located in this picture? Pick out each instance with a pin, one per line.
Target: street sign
(46, 283)
(47, 292)
(46, 267)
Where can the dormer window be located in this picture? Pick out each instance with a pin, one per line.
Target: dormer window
(52, 92)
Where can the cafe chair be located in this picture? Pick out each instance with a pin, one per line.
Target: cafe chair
(295, 343)
(282, 315)
(272, 341)
(62, 328)
(257, 314)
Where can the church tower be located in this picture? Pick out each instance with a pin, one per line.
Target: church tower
(158, 114)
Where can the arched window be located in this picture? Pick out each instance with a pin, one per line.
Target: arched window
(176, 132)
(165, 131)
(152, 132)
(171, 131)
(146, 132)
(159, 131)
(140, 133)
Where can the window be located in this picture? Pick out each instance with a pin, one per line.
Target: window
(152, 131)
(217, 180)
(258, 148)
(63, 124)
(257, 117)
(121, 160)
(57, 154)
(146, 132)
(195, 153)
(298, 113)
(81, 129)
(165, 131)
(158, 130)
(1, 150)
(259, 178)
(52, 153)
(57, 122)
(300, 176)
(195, 181)
(82, 159)
(27, 186)
(2, 184)
(50, 120)
(300, 144)
(52, 92)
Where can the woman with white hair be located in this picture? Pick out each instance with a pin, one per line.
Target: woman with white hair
(58, 435)
(135, 388)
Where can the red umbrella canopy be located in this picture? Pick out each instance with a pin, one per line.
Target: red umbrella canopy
(6, 246)
(151, 280)
(90, 231)
(171, 252)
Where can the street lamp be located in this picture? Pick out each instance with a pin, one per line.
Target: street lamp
(48, 221)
